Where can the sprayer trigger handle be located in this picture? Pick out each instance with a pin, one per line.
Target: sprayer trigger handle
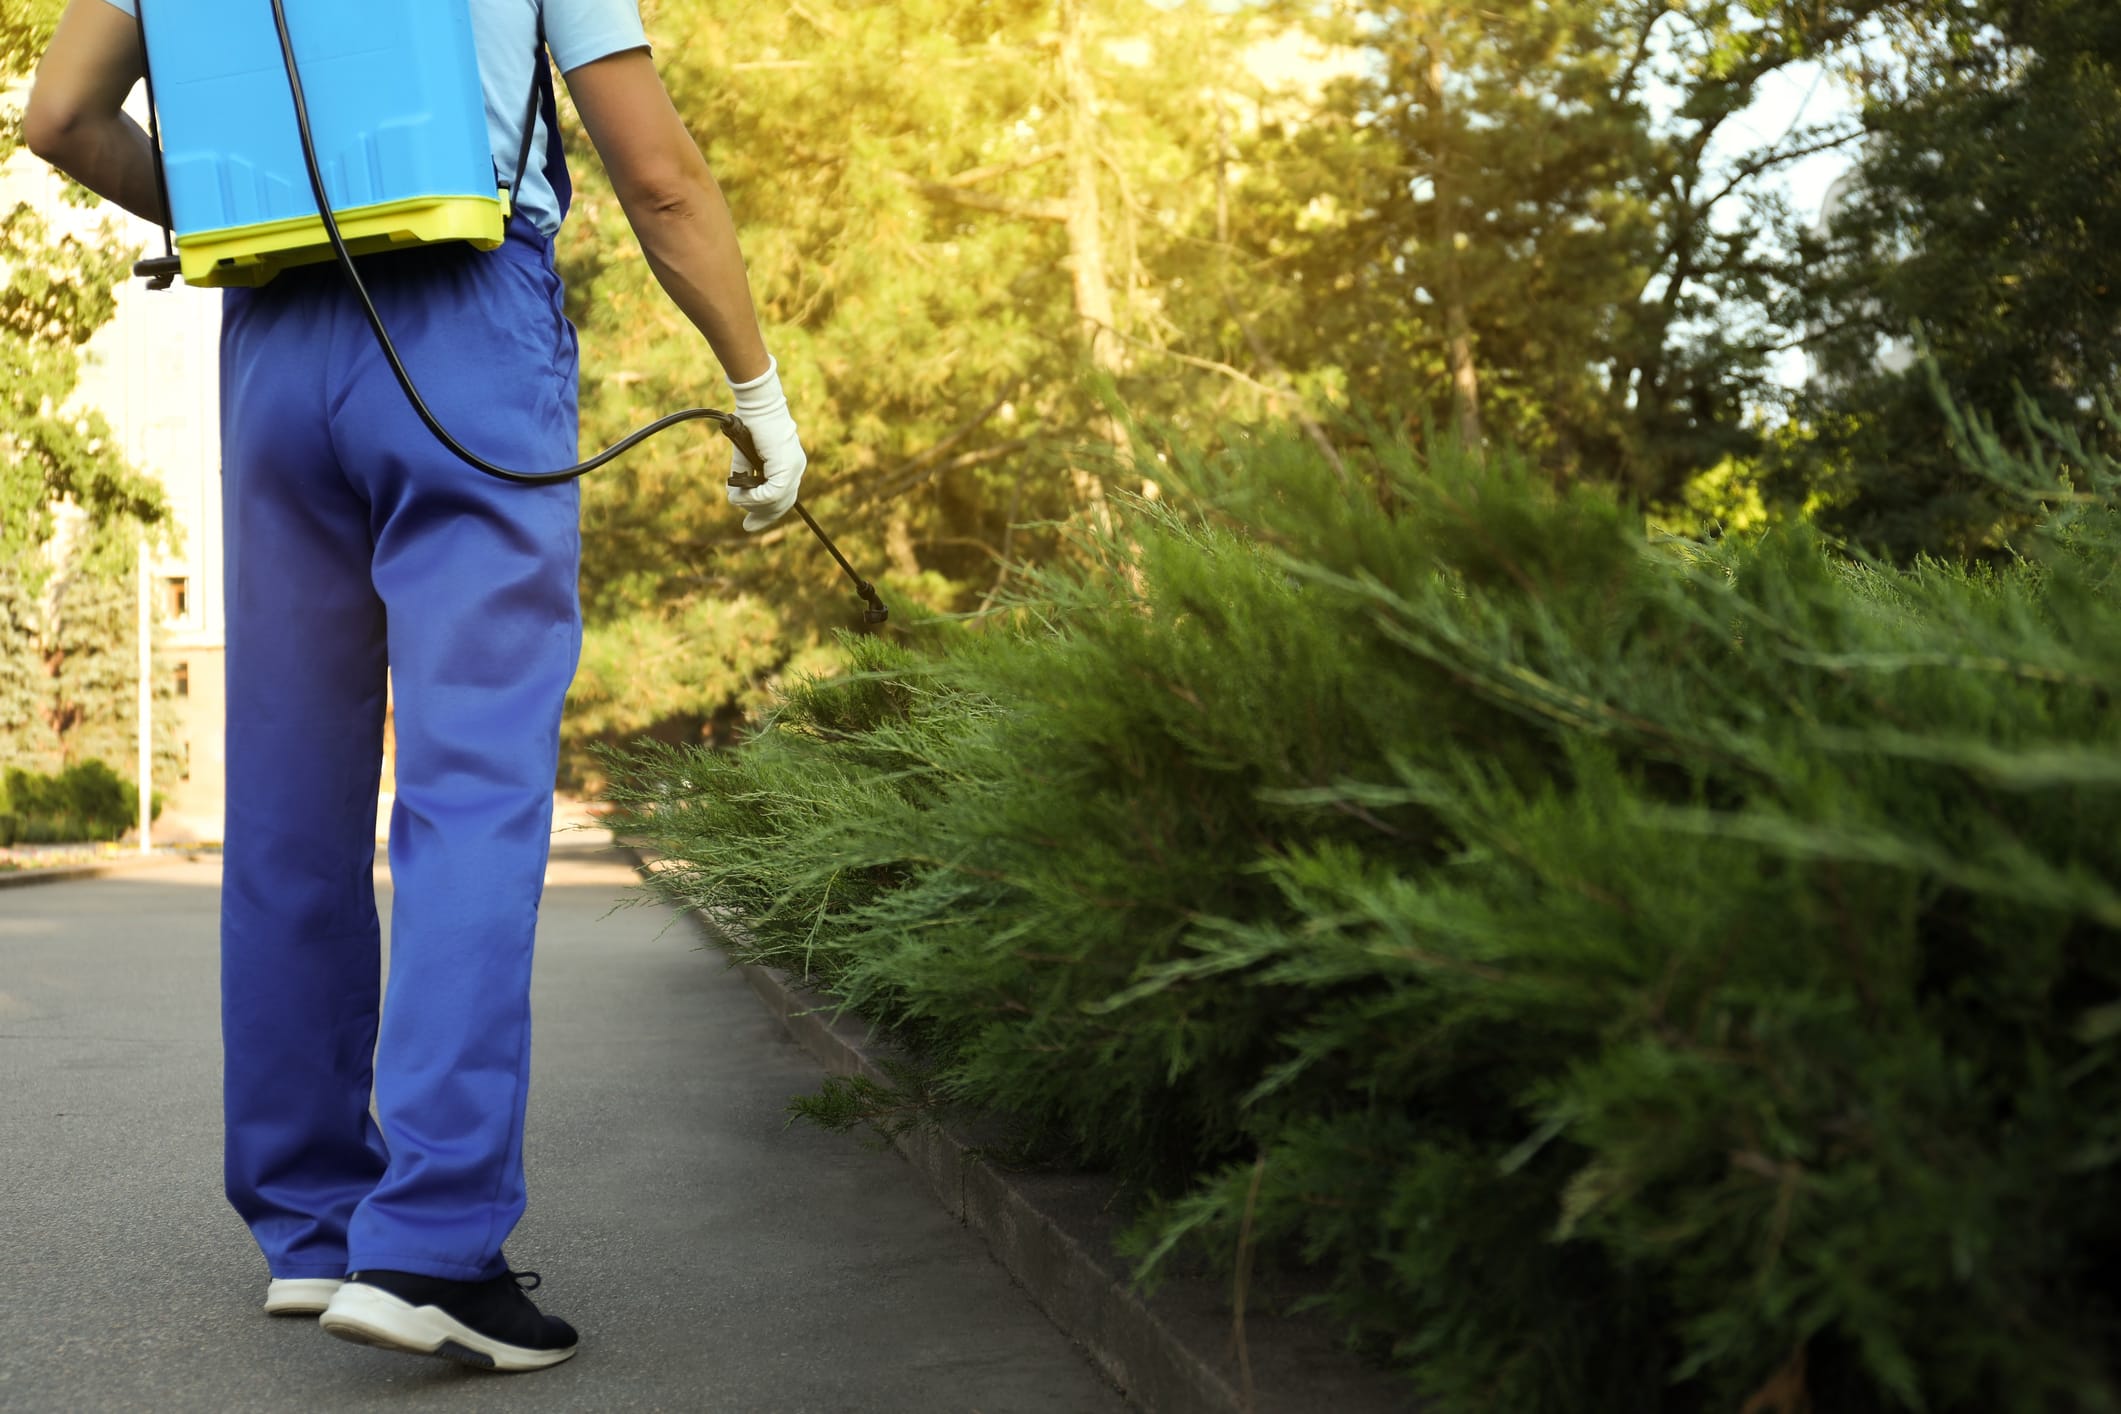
(734, 429)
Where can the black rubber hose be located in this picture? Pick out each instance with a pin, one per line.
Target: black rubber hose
(730, 425)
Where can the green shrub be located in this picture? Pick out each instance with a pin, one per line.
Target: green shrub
(85, 801)
(1635, 973)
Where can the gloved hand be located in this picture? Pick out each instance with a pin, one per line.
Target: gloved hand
(764, 410)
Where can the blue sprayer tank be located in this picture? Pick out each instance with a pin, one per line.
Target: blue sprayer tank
(395, 108)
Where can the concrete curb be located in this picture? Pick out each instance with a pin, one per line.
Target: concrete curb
(1172, 1353)
(63, 873)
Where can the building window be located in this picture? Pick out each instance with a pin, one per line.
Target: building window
(183, 679)
(176, 596)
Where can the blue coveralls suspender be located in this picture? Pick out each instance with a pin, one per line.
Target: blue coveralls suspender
(354, 541)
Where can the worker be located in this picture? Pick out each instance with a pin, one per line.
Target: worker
(356, 542)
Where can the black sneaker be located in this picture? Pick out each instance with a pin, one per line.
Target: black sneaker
(490, 1324)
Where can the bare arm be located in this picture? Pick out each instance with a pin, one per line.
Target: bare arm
(671, 199)
(75, 119)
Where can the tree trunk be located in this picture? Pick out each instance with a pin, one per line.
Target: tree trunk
(1086, 235)
(1457, 326)
(1086, 241)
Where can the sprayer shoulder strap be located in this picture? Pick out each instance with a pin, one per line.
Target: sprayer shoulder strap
(539, 83)
(543, 102)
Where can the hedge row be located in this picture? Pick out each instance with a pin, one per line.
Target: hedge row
(85, 801)
(1645, 975)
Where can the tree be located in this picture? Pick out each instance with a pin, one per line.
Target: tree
(22, 727)
(1987, 211)
(86, 647)
(56, 293)
(66, 630)
(1494, 226)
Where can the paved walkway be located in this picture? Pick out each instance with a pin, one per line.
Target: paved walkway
(713, 1257)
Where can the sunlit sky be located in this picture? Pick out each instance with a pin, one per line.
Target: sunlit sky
(1798, 97)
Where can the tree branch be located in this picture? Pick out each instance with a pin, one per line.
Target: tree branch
(954, 436)
(1211, 365)
(824, 24)
(999, 169)
(1766, 161)
(1288, 396)
(1053, 211)
(1312, 430)
(977, 457)
(1626, 85)
(1001, 577)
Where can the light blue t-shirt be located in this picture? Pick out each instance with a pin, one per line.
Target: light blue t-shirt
(505, 33)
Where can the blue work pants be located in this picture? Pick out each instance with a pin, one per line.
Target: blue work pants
(354, 542)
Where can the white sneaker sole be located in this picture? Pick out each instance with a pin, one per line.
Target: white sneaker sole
(300, 1296)
(368, 1315)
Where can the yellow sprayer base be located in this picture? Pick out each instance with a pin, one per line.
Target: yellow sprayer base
(251, 255)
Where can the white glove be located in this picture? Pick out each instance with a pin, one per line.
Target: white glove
(764, 410)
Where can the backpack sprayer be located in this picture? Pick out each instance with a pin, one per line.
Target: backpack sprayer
(399, 94)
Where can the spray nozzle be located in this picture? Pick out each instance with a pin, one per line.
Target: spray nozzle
(743, 479)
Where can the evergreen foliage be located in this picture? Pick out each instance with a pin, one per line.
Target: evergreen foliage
(21, 681)
(87, 646)
(1639, 974)
(85, 801)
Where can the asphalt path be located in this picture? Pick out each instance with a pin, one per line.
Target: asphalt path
(713, 1256)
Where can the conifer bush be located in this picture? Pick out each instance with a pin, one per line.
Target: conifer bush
(1640, 974)
(84, 801)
